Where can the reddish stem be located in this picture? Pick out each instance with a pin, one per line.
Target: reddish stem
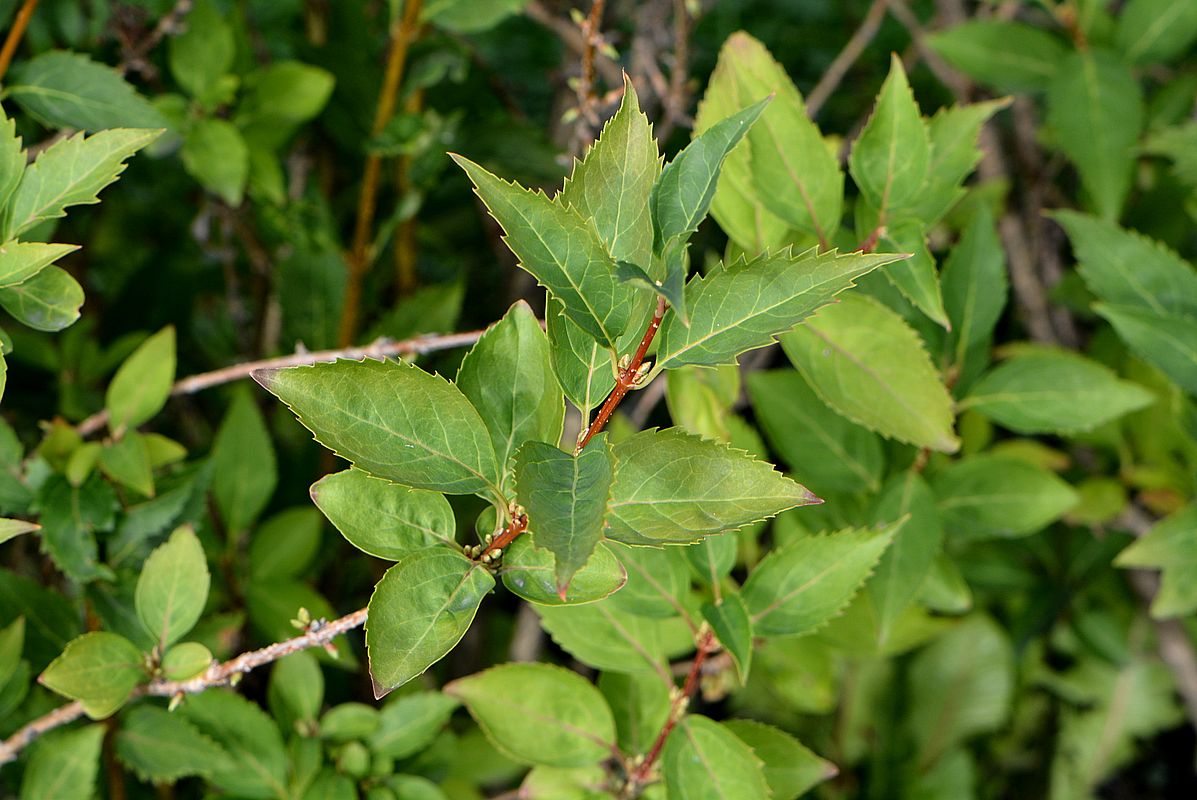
(509, 535)
(626, 379)
(870, 242)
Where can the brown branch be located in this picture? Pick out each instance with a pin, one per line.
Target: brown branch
(218, 674)
(573, 39)
(170, 24)
(381, 348)
(403, 33)
(19, 23)
(847, 57)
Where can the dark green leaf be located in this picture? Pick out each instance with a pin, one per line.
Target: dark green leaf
(1169, 341)
(974, 284)
(69, 90)
(163, 747)
(583, 367)
(530, 572)
(64, 765)
(408, 724)
(729, 620)
(658, 580)
(203, 52)
(640, 703)
(296, 689)
(382, 518)
(285, 545)
(244, 467)
(1156, 30)
(71, 516)
(257, 763)
(606, 637)
(127, 462)
(989, 495)
(1011, 56)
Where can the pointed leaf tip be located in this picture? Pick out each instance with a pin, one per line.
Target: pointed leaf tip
(264, 376)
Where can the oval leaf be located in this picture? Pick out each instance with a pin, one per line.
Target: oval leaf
(173, 587)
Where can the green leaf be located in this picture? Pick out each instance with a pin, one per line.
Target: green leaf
(990, 495)
(11, 528)
(163, 747)
(49, 301)
(186, 660)
(12, 643)
(539, 714)
(382, 518)
(674, 488)
(612, 184)
(657, 580)
(71, 172)
(582, 366)
(71, 516)
(469, 16)
(790, 768)
(127, 462)
(203, 53)
(349, 721)
(173, 587)
(953, 133)
(256, 766)
(915, 277)
(1171, 546)
(99, 670)
(750, 303)
(142, 385)
(640, 703)
(738, 205)
(562, 251)
(244, 468)
(20, 261)
(960, 686)
(392, 420)
(729, 620)
(285, 545)
(604, 636)
(1126, 269)
(904, 566)
(69, 90)
(1054, 391)
(530, 572)
(51, 621)
(682, 195)
(215, 154)
(703, 760)
(974, 284)
(1169, 341)
(64, 765)
(12, 159)
(278, 98)
(408, 724)
(796, 589)
(672, 288)
(296, 689)
(566, 499)
(1156, 30)
(1095, 111)
(419, 610)
(507, 376)
(1010, 56)
(890, 157)
(822, 448)
(868, 365)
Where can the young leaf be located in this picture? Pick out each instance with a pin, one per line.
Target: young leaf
(737, 204)
(1095, 110)
(185, 660)
(20, 261)
(1156, 30)
(798, 588)
(69, 90)
(953, 133)
(733, 628)
(1010, 56)
(392, 420)
(1167, 340)
(382, 518)
(672, 288)
(562, 251)
(277, 98)
(98, 669)
(674, 488)
(905, 564)
(244, 467)
(821, 447)
(989, 495)
(173, 587)
(127, 462)
(508, 378)
(748, 304)
(408, 724)
(216, 155)
(530, 572)
(889, 159)
(419, 610)
(1126, 269)
(703, 760)
(72, 172)
(204, 51)
(142, 384)
(49, 301)
(64, 765)
(612, 184)
(682, 195)
(1171, 546)
(790, 768)
(974, 284)
(1054, 391)
(582, 365)
(539, 714)
(566, 499)
(868, 365)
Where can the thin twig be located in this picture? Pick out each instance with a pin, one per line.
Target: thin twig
(403, 32)
(170, 24)
(847, 57)
(19, 23)
(381, 348)
(572, 38)
(218, 674)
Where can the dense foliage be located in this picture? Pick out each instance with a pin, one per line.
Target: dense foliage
(726, 441)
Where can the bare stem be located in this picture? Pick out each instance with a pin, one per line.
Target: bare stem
(218, 674)
(15, 33)
(378, 349)
(847, 57)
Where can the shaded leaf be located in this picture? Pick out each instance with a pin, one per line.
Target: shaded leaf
(64, 765)
(991, 495)
(1166, 340)
(1155, 30)
(69, 90)
(257, 763)
(974, 284)
(163, 747)
(790, 768)
(1170, 546)
(1011, 56)
(732, 626)
(244, 469)
(408, 724)
(582, 366)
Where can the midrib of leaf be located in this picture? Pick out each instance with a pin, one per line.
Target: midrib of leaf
(1113, 718)
(952, 698)
(635, 643)
(66, 774)
(1093, 93)
(409, 523)
(656, 585)
(506, 702)
(833, 444)
(891, 158)
(784, 152)
(903, 510)
(58, 94)
(714, 779)
(444, 606)
(1153, 31)
(170, 604)
(785, 598)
